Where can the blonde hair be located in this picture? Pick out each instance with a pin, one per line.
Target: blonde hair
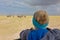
(42, 15)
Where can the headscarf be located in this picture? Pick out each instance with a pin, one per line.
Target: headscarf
(39, 14)
(38, 25)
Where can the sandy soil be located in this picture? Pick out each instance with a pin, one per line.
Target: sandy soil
(10, 27)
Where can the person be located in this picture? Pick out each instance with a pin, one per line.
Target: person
(40, 21)
(40, 18)
(41, 31)
(53, 34)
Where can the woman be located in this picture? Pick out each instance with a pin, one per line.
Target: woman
(40, 22)
(40, 32)
(40, 18)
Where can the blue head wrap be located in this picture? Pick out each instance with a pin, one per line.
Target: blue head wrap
(38, 25)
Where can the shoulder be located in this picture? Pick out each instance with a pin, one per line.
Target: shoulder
(56, 30)
(24, 31)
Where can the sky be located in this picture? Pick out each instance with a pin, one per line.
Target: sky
(28, 7)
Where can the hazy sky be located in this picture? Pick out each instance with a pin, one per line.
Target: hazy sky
(28, 7)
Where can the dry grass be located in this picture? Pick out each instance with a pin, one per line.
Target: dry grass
(10, 27)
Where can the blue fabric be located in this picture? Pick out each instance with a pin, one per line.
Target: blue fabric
(37, 34)
(38, 25)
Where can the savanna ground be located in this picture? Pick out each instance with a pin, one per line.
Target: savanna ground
(10, 27)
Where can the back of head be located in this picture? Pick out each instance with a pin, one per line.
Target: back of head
(40, 19)
(41, 16)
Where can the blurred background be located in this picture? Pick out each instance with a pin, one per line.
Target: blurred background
(11, 26)
(16, 15)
